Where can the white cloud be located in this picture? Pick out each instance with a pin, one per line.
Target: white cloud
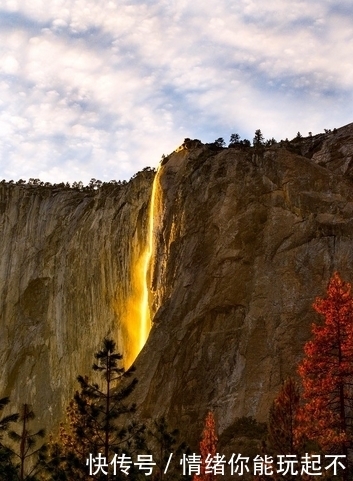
(103, 89)
(9, 65)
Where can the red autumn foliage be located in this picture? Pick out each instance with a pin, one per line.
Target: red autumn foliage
(327, 372)
(283, 420)
(208, 447)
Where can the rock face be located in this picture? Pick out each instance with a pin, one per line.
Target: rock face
(65, 281)
(245, 242)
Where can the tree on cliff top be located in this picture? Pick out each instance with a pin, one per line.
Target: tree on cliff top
(258, 140)
(327, 373)
(219, 142)
(234, 139)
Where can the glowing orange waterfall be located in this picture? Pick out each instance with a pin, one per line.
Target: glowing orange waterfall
(137, 323)
(145, 323)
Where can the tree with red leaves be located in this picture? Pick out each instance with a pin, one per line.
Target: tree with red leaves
(327, 373)
(283, 419)
(208, 447)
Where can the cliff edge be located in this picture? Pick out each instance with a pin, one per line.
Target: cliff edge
(245, 240)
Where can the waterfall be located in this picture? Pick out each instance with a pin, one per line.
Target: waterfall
(137, 324)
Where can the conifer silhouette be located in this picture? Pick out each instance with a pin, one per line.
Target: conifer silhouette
(93, 419)
(27, 449)
(7, 469)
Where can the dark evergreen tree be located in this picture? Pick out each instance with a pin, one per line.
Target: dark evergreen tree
(6, 420)
(270, 142)
(219, 142)
(245, 143)
(27, 450)
(234, 139)
(163, 444)
(93, 420)
(7, 469)
(258, 140)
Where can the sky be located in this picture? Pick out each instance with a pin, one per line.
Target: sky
(101, 89)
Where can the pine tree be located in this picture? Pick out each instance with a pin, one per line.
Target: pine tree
(93, 416)
(283, 419)
(234, 139)
(165, 443)
(258, 140)
(327, 373)
(7, 469)
(27, 449)
(7, 420)
(208, 447)
(219, 142)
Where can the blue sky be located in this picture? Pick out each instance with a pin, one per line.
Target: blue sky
(101, 89)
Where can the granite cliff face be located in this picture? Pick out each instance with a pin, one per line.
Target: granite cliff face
(244, 240)
(66, 279)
